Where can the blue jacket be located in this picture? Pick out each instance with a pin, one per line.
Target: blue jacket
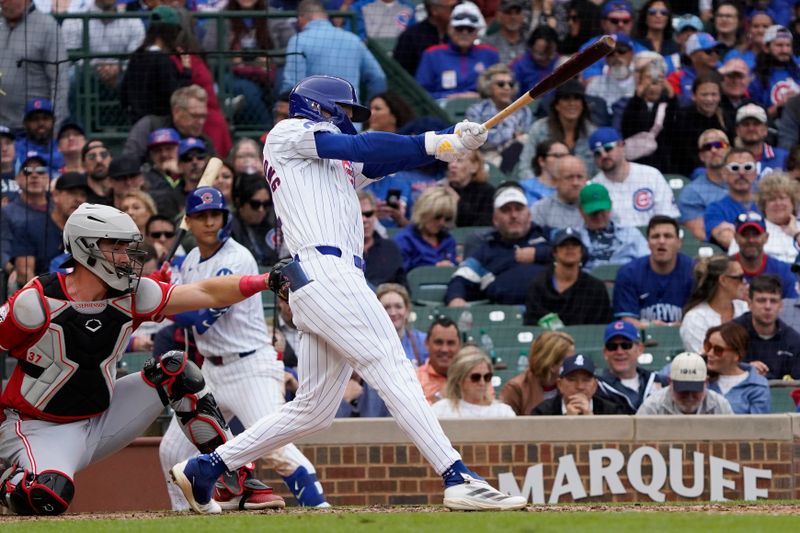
(416, 251)
(23, 145)
(751, 396)
(493, 272)
(528, 73)
(611, 386)
(445, 70)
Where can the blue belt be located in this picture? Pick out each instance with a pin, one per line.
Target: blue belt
(217, 360)
(335, 250)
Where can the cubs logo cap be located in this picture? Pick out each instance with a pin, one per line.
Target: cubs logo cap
(575, 363)
(621, 328)
(38, 104)
(191, 143)
(163, 136)
(603, 136)
(687, 372)
(699, 42)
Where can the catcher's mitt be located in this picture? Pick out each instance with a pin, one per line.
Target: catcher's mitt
(278, 282)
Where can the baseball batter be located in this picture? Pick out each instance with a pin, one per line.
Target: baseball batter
(314, 162)
(63, 407)
(240, 366)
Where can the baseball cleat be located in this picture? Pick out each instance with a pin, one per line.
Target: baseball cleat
(477, 495)
(196, 487)
(239, 491)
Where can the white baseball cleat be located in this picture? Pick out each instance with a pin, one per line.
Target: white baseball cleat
(478, 495)
(185, 479)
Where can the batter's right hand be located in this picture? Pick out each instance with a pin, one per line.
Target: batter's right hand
(445, 148)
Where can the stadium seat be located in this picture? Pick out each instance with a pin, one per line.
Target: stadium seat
(693, 247)
(781, 401)
(428, 284)
(464, 233)
(496, 176)
(134, 361)
(457, 108)
(588, 340)
(677, 182)
(506, 337)
(391, 232)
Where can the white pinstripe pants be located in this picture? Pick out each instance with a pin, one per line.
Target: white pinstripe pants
(344, 327)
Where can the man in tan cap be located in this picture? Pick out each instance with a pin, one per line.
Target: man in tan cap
(751, 134)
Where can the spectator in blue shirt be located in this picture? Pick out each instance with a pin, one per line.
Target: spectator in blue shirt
(538, 61)
(427, 241)
(654, 289)
(751, 236)
(513, 254)
(776, 76)
(322, 48)
(751, 133)
(450, 71)
(726, 348)
(740, 173)
(708, 184)
(39, 124)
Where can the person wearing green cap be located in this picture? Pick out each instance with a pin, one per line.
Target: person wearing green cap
(606, 241)
(152, 76)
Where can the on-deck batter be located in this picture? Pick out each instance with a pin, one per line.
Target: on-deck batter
(314, 163)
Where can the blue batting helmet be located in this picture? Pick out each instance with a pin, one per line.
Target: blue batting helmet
(316, 94)
(210, 198)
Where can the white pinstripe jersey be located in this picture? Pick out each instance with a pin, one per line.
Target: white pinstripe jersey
(242, 328)
(315, 199)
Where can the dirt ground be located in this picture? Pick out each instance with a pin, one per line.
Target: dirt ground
(764, 508)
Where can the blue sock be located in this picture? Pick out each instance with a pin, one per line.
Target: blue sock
(305, 487)
(452, 476)
(211, 465)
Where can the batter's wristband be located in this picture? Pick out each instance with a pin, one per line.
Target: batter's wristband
(250, 285)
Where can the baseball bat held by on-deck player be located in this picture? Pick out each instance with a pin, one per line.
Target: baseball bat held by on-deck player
(213, 167)
(574, 66)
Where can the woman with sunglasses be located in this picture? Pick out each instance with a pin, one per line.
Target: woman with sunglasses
(653, 28)
(469, 179)
(160, 234)
(469, 392)
(525, 391)
(725, 349)
(498, 88)
(254, 219)
(583, 23)
(427, 241)
(719, 296)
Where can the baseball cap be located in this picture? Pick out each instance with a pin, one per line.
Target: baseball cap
(163, 136)
(687, 372)
(602, 136)
(466, 16)
(91, 144)
(165, 15)
(72, 180)
(70, 125)
(191, 143)
(577, 362)
(35, 154)
(593, 198)
(621, 328)
(123, 167)
(750, 220)
(699, 42)
(507, 195)
(734, 65)
(687, 22)
(616, 5)
(623, 39)
(38, 104)
(776, 31)
(505, 5)
(564, 235)
(751, 111)
(5, 131)
(571, 87)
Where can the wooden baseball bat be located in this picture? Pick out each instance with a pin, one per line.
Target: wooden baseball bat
(213, 167)
(574, 66)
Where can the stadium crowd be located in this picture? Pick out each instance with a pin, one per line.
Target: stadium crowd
(688, 132)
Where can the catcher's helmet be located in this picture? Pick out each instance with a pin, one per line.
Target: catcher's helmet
(210, 198)
(325, 93)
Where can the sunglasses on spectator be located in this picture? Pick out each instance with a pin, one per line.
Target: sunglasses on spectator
(255, 205)
(655, 11)
(34, 170)
(713, 145)
(162, 234)
(505, 83)
(98, 155)
(465, 29)
(476, 377)
(619, 21)
(717, 349)
(613, 346)
(741, 167)
(367, 214)
(193, 157)
(605, 148)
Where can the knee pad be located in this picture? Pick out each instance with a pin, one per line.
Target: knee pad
(48, 493)
(180, 384)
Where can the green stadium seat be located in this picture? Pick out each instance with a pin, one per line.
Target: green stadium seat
(457, 108)
(694, 247)
(607, 273)
(588, 340)
(134, 361)
(464, 233)
(506, 336)
(677, 182)
(386, 44)
(428, 284)
(781, 401)
(496, 176)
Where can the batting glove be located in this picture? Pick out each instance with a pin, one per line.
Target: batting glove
(444, 147)
(472, 134)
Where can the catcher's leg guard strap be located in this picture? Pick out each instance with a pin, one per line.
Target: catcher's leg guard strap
(181, 382)
(48, 493)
